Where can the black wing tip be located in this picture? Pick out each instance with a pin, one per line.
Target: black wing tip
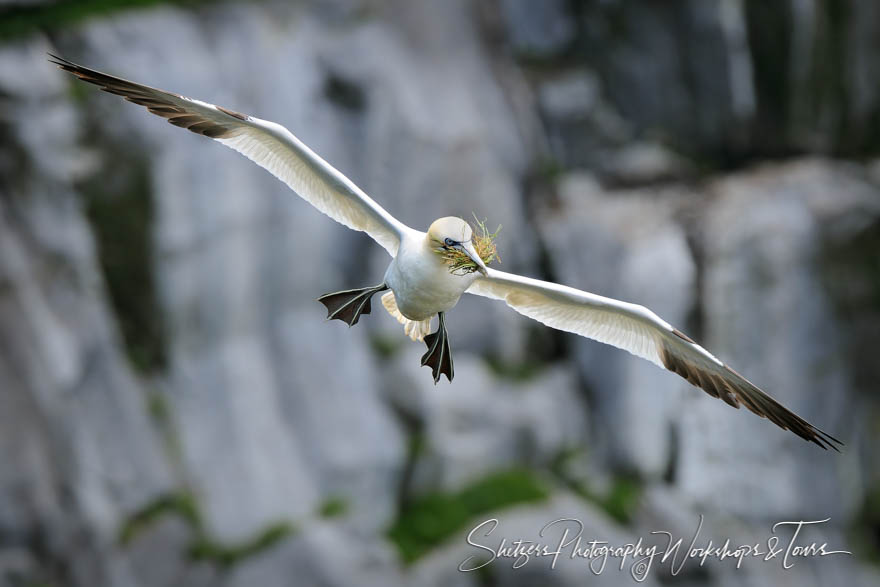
(125, 88)
(825, 440)
(62, 62)
(808, 432)
(788, 420)
(71, 67)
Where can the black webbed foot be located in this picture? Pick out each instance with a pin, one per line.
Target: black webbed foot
(348, 305)
(439, 356)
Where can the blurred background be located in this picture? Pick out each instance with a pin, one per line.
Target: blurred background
(174, 409)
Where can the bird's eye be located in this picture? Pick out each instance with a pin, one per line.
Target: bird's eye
(449, 242)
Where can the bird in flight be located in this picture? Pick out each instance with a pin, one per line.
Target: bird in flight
(421, 281)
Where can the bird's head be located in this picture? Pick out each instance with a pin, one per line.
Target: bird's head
(453, 239)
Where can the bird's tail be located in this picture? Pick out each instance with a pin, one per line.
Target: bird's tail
(415, 329)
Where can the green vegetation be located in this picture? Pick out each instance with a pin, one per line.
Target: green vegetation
(850, 275)
(385, 347)
(203, 548)
(157, 407)
(20, 20)
(181, 504)
(416, 444)
(415, 448)
(160, 413)
(619, 501)
(429, 520)
(344, 93)
(547, 169)
(333, 507)
(518, 371)
(119, 207)
(864, 534)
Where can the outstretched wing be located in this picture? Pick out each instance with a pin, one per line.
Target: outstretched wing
(638, 330)
(267, 144)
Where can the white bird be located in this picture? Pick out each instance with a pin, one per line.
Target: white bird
(421, 282)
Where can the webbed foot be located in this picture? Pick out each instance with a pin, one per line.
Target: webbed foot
(439, 356)
(348, 305)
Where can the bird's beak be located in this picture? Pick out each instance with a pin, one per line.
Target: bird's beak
(471, 252)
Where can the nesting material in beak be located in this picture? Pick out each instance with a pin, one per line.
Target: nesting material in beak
(474, 255)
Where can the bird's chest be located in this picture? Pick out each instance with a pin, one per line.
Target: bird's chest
(422, 284)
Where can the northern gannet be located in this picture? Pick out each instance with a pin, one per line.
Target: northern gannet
(420, 280)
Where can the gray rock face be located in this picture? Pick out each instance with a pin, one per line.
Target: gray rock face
(671, 70)
(328, 554)
(245, 338)
(481, 423)
(538, 31)
(259, 414)
(244, 335)
(762, 291)
(622, 245)
(79, 452)
(725, 80)
(585, 130)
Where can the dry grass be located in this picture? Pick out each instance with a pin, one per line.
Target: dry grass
(484, 242)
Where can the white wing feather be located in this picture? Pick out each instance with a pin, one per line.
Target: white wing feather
(270, 146)
(630, 327)
(640, 331)
(277, 150)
